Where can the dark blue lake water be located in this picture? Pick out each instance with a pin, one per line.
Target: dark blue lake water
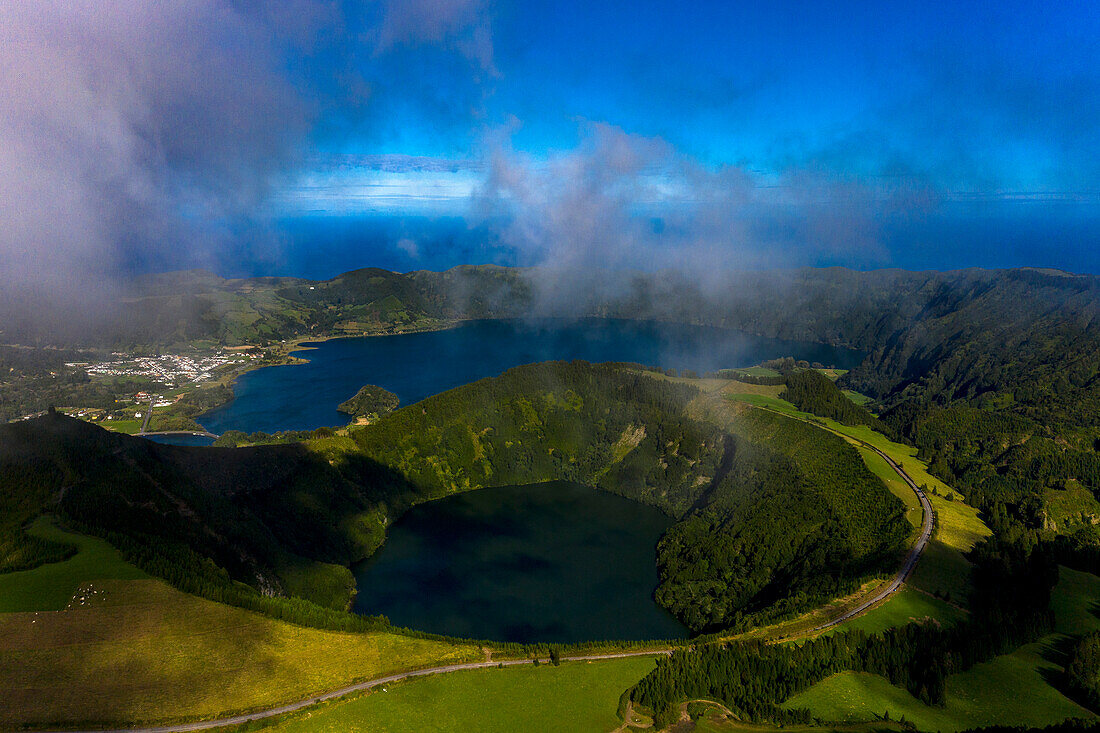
(553, 562)
(415, 366)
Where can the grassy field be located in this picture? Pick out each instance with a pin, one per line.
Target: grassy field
(905, 606)
(136, 650)
(53, 587)
(1073, 505)
(942, 569)
(859, 399)
(759, 371)
(1076, 602)
(130, 427)
(1010, 689)
(326, 584)
(577, 696)
(749, 391)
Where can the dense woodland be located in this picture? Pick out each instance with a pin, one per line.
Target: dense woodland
(370, 400)
(1074, 725)
(811, 391)
(1011, 467)
(774, 523)
(1082, 676)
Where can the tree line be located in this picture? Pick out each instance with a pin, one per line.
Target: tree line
(1012, 607)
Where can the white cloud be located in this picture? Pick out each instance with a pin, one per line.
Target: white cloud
(409, 247)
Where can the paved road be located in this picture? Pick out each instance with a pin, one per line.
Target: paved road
(148, 414)
(903, 573)
(927, 523)
(914, 553)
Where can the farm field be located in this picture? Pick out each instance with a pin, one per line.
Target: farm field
(130, 427)
(131, 649)
(577, 696)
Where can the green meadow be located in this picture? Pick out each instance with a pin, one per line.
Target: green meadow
(93, 641)
(53, 587)
(908, 605)
(577, 696)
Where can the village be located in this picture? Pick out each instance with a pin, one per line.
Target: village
(172, 370)
(165, 378)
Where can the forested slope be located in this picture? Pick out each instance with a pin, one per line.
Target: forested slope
(769, 520)
(774, 517)
(253, 515)
(810, 516)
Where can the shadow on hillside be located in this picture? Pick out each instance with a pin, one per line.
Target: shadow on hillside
(1058, 652)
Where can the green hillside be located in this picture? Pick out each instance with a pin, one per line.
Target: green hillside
(782, 520)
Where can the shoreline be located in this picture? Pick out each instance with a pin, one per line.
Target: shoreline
(284, 353)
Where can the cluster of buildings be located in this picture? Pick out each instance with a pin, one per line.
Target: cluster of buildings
(156, 399)
(85, 413)
(170, 369)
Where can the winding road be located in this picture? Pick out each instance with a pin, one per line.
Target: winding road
(907, 566)
(927, 523)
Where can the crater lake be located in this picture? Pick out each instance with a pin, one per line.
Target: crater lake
(553, 562)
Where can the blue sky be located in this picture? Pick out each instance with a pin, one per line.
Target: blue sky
(308, 137)
(954, 134)
(979, 96)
